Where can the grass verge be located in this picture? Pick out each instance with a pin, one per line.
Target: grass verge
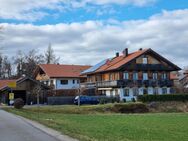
(93, 123)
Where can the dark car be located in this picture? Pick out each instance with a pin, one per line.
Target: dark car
(86, 100)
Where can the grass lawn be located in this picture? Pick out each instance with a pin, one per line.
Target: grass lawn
(97, 126)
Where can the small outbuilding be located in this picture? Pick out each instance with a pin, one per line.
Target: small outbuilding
(26, 88)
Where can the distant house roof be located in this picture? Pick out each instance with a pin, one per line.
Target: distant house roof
(174, 76)
(56, 70)
(117, 62)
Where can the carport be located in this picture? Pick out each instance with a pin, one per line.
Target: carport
(24, 89)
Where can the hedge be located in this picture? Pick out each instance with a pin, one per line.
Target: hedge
(166, 97)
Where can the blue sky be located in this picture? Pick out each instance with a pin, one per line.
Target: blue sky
(93, 30)
(93, 11)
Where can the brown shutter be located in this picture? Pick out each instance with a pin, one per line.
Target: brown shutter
(159, 75)
(140, 75)
(120, 75)
(150, 74)
(130, 75)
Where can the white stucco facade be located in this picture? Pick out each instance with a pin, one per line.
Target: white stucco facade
(71, 83)
(131, 93)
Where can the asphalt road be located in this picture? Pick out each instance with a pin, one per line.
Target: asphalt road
(12, 128)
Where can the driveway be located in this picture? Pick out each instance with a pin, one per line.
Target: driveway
(13, 128)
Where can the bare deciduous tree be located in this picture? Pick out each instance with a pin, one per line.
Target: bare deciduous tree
(20, 63)
(32, 60)
(50, 57)
(6, 69)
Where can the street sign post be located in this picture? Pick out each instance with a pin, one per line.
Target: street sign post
(11, 96)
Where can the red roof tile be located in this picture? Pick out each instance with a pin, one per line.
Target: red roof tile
(117, 62)
(54, 70)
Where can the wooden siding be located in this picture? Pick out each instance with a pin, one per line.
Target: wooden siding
(151, 60)
(42, 77)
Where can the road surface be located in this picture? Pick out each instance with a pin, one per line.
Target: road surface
(13, 128)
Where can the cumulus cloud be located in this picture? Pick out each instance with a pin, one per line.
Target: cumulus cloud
(93, 41)
(32, 10)
(28, 10)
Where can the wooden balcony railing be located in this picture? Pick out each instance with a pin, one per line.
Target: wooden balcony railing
(88, 85)
(129, 83)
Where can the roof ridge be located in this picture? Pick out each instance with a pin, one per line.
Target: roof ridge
(66, 65)
(132, 53)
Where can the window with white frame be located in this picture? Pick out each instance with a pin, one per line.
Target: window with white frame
(145, 60)
(164, 76)
(126, 92)
(125, 75)
(135, 76)
(155, 76)
(145, 76)
(140, 91)
(150, 90)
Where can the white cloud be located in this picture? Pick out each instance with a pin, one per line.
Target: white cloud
(118, 2)
(93, 41)
(28, 10)
(32, 10)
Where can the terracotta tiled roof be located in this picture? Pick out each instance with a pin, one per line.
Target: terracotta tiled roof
(54, 70)
(4, 83)
(119, 61)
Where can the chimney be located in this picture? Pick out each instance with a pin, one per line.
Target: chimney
(117, 54)
(125, 52)
(140, 49)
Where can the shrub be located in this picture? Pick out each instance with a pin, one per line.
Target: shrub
(133, 99)
(166, 97)
(124, 100)
(105, 100)
(18, 103)
(130, 108)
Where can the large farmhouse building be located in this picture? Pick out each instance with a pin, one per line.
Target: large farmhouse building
(131, 74)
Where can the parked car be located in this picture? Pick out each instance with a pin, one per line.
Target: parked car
(86, 100)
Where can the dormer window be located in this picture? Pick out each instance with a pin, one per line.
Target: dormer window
(145, 60)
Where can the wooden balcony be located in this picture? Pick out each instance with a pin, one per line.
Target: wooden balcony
(107, 84)
(128, 83)
(135, 83)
